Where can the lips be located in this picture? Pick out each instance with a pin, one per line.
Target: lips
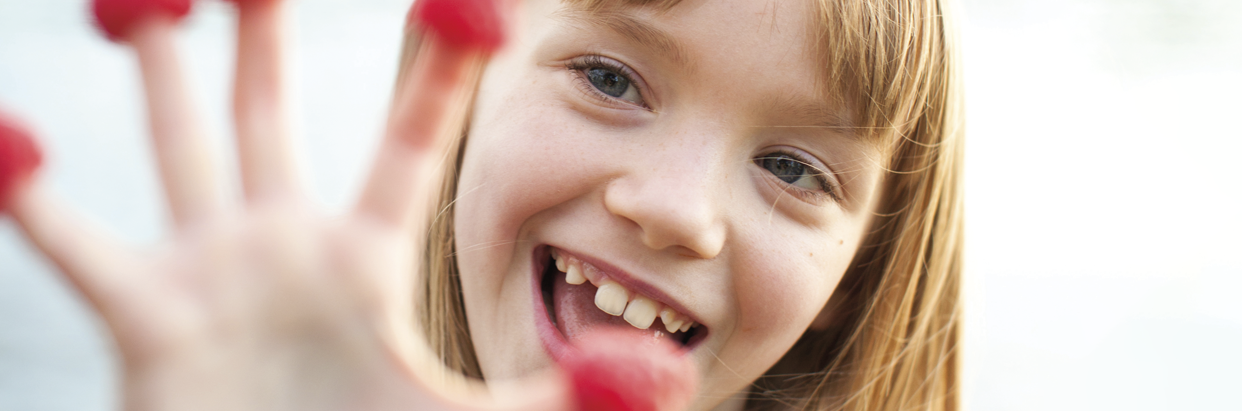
(579, 298)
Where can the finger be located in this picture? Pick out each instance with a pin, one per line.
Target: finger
(445, 389)
(80, 251)
(607, 370)
(91, 260)
(611, 369)
(264, 139)
(420, 115)
(551, 390)
(186, 165)
(449, 58)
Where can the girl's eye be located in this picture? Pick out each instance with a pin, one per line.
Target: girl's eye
(798, 173)
(610, 83)
(608, 79)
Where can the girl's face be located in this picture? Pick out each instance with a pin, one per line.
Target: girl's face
(686, 158)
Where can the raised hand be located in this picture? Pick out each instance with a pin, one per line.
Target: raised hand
(268, 303)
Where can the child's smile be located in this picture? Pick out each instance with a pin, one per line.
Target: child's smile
(580, 294)
(685, 169)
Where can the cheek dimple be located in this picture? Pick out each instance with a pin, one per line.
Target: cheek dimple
(118, 17)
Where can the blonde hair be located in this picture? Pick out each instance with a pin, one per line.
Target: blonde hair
(893, 339)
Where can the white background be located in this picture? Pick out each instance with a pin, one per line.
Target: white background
(1103, 190)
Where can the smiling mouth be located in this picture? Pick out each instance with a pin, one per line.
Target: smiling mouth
(579, 298)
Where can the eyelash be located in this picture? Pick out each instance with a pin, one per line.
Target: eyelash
(579, 66)
(828, 191)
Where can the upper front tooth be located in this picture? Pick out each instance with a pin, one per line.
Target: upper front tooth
(612, 298)
(574, 275)
(686, 327)
(560, 263)
(641, 312)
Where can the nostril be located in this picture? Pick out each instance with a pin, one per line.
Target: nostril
(686, 223)
(689, 242)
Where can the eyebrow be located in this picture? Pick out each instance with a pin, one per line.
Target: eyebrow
(636, 30)
(823, 116)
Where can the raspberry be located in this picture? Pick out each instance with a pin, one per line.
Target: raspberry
(466, 23)
(118, 17)
(19, 157)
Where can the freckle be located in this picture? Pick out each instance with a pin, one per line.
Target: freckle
(842, 242)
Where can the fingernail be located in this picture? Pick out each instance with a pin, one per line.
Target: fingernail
(118, 17)
(465, 23)
(19, 157)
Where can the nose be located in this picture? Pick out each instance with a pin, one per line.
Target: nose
(674, 202)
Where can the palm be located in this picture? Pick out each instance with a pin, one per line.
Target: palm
(276, 292)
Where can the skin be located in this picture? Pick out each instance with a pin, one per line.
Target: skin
(667, 189)
(266, 302)
(259, 303)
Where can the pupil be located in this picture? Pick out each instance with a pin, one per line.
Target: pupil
(785, 168)
(608, 82)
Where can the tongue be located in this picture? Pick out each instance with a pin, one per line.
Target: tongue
(577, 315)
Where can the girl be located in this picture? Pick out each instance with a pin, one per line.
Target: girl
(772, 188)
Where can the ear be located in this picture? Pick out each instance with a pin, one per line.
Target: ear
(831, 315)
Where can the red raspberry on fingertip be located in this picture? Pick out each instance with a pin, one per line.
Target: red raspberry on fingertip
(613, 370)
(118, 17)
(250, 2)
(464, 23)
(20, 157)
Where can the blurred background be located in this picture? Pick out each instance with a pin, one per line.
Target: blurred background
(1103, 187)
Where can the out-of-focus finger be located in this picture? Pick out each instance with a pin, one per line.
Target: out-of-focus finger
(459, 35)
(408, 149)
(264, 140)
(95, 263)
(551, 390)
(88, 258)
(186, 164)
(607, 370)
(615, 370)
(443, 389)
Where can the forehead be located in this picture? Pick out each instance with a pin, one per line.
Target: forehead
(763, 31)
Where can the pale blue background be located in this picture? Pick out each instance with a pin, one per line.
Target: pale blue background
(1103, 188)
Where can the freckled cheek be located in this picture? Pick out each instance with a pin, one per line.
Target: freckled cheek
(529, 158)
(775, 304)
(779, 300)
(783, 286)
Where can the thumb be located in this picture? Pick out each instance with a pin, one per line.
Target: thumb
(612, 370)
(608, 370)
